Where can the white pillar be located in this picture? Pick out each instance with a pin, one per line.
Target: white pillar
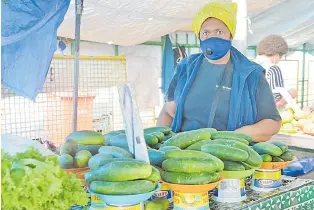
(240, 39)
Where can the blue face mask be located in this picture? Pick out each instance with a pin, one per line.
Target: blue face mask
(215, 48)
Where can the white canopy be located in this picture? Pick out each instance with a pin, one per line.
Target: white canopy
(130, 22)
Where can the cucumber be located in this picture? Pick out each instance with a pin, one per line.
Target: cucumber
(150, 139)
(87, 137)
(215, 177)
(111, 134)
(171, 134)
(69, 147)
(184, 153)
(119, 140)
(116, 152)
(254, 157)
(277, 159)
(231, 134)
(186, 178)
(95, 164)
(281, 145)
(234, 139)
(122, 188)
(167, 148)
(189, 165)
(120, 171)
(287, 156)
(155, 176)
(99, 160)
(192, 153)
(155, 157)
(159, 135)
(233, 166)
(66, 161)
(165, 130)
(267, 158)
(167, 138)
(225, 153)
(197, 146)
(247, 166)
(93, 149)
(157, 146)
(185, 139)
(267, 148)
(157, 204)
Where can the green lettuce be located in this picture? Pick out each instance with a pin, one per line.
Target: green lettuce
(32, 181)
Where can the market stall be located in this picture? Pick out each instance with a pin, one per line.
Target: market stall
(155, 168)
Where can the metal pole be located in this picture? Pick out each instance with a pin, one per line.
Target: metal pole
(303, 76)
(78, 15)
(240, 39)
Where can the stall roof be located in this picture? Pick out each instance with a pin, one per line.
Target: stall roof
(130, 22)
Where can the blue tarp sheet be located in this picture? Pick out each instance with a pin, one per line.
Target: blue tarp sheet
(167, 65)
(28, 42)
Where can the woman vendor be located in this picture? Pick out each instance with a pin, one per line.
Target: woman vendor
(220, 87)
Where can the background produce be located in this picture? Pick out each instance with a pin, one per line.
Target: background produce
(294, 123)
(30, 180)
(276, 151)
(78, 148)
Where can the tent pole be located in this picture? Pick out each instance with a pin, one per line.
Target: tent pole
(78, 15)
(303, 75)
(240, 39)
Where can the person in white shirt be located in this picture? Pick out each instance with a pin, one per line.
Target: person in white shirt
(270, 51)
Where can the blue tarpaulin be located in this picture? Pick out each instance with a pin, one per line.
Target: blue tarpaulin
(28, 42)
(167, 65)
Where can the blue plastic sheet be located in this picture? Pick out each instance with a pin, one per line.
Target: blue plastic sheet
(167, 65)
(299, 167)
(28, 42)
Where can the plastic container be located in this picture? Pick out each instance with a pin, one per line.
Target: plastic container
(121, 200)
(135, 207)
(188, 197)
(96, 202)
(266, 180)
(164, 192)
(230, 190)
(189, 201)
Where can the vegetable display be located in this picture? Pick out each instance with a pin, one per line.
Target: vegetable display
(190, 167)
(276, 151)
(31, 180)
(79, 147)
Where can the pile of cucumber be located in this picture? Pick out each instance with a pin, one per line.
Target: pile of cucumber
(230, 147)
(234, 150)
(154, 137)
(121, 176)
(78, 148)
(276, 151)
(189, 167)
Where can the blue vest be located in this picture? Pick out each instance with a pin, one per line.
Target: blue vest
(242, 108)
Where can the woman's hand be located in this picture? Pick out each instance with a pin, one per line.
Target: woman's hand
(261, 131)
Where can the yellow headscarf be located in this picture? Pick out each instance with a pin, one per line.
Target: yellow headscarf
(224, 11)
